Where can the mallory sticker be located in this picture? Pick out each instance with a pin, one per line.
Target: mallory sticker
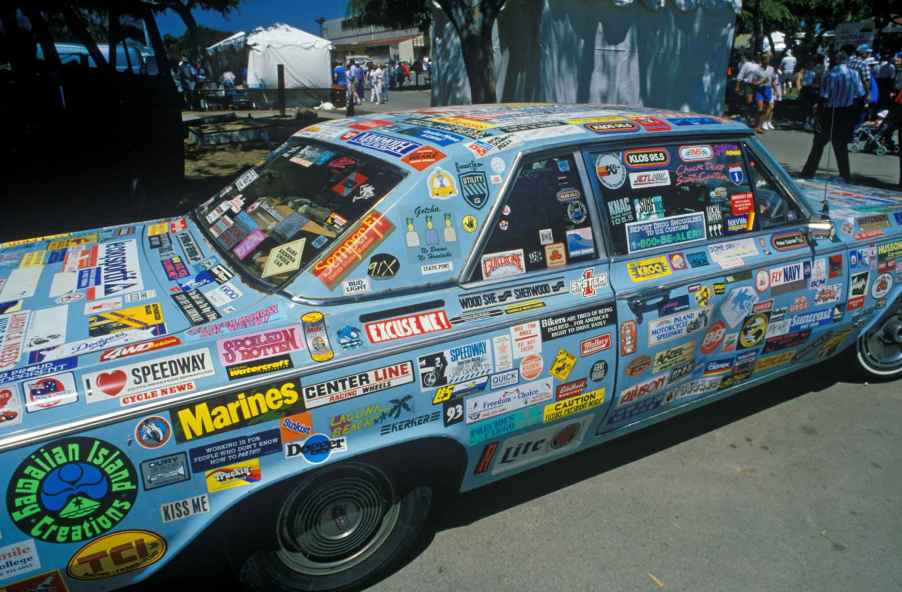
(129, 383)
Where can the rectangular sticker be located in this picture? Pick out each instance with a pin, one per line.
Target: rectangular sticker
(573, 405)
(345, 256)
(541, 444)
(407, 326)
(456, 364)
(148, 317)
(355, 385)
(675, 230)
(184, 508)
(499, 402)
(235, 475)
(579, 321)
(225, 452)
(648, 269)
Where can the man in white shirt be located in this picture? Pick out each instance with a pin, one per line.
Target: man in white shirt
(788, 65)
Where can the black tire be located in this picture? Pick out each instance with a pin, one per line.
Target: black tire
(879, 350)
(309, 552)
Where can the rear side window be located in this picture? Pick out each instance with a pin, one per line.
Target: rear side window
(544, 222)
(672, 194)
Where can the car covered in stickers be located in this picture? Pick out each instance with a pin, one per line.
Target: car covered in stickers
(396, 305)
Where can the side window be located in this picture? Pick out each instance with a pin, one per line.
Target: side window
(544, 222)
(666, 195)
(774, 208)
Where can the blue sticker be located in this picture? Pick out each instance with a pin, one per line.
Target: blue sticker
(39, 369)
(56, 256)
(316, 449)
(675, 230)
(699, 259)
(576, 212)
(384, 144)
(319, 241)
(737, 176)
(898, 217)
(439, 137)
(692, 121)
(563, 165)
(233, 450)
(349, 337)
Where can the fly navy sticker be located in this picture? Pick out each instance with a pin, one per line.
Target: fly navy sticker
(72, 490)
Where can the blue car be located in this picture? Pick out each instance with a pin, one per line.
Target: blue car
(394, 305)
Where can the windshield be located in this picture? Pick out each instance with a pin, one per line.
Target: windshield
(275, 219)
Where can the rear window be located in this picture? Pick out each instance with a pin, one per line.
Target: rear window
(673, 194)
(277, 218)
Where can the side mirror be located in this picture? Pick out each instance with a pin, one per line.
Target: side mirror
(820, 229)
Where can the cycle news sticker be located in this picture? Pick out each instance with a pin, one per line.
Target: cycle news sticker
(150, 379)
(71, 490)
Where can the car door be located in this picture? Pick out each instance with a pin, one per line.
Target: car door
(539, 284)
(694, 257)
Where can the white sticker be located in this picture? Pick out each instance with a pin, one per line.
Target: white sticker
(180, 509)
(22, 283)
(98, 306)
(526, 339)
(355, 286)
(430, 268)
(18, 558)
(498, 165)
(10, 406)
(47, 328)
(47, 392)
(546, 236)
(284, 258)
(223, 295)
(501, 346)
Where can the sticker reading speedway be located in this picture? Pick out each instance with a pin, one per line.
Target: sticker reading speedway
(150, 379)
(355, 385)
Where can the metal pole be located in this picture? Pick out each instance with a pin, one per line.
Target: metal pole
(281, 74)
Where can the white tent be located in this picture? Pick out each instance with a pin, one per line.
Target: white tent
(307, 58)
(655, 53)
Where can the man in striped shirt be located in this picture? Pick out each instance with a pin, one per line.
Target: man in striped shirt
(840, 104)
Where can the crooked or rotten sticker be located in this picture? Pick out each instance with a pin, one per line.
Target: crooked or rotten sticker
(149, 379)
(284, 258)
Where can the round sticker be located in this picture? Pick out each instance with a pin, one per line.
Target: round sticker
(565, 436)
(504, 225)
(762, 280)
(599, 370)
(610, 170)
(383, 266)
(71, 490)
(153, 432)
(498, 165)
(469, 223)
(531, 366)
(713, 337)
(882, 285)
(441, 184)
(753, 331)
(576, 212)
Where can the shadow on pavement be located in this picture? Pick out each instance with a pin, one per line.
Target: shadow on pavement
(207, 561)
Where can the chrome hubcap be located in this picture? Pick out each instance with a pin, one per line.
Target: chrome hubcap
(882, 348)
(338, 523)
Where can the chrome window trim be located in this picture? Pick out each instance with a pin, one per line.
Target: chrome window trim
(598, 237)
(785, 191)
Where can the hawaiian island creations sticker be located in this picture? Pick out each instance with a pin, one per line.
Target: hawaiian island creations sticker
(72, 490)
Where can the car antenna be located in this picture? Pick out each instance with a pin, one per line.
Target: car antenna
(825, 204)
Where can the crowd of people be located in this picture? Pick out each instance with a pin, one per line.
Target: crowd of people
(838, 93)
(353, 79)
(192, 78)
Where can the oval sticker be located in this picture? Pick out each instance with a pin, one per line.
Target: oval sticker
(116, 554)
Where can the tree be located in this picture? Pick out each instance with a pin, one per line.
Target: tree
(472, 20)
(184, 9)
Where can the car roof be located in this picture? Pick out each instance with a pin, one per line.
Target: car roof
(462, 131)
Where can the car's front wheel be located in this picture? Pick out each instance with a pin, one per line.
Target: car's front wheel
(879, 350)
(337, 529)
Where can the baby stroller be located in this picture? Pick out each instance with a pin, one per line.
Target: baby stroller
(875, 135)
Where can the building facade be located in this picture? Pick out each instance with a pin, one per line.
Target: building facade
(372, 43)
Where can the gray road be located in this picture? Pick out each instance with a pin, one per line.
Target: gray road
(794, 486)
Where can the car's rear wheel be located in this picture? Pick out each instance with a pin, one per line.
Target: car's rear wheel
(337, 529)
(879, 350)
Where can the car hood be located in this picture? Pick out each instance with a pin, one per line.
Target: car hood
(851, 204)
(78, 302)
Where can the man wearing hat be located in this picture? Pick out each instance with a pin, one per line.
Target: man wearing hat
(862, 64)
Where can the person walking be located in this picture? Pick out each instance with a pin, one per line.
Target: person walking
(841, 96)
(744, 87)
(788, 65)
(763, 80)
(886, 74)
(895, 113)
(378, 82)
(187, 80)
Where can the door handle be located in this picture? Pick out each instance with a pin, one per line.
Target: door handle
(646, 299)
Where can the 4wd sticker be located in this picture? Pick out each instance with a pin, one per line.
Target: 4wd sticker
(72, 490)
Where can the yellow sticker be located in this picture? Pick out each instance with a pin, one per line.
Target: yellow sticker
(524, 307)
(158, 228)
(597, 119)
(284, 258)
(443, 394)
(235, 475)
(116, 554)
(469, 223)
(768, 362)
(703, 296)
(31, 241)
(573, 405)
(468, 123)
(648, 269)
(33, 259)
(143, 317)
(563, 363)
(441, 184)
